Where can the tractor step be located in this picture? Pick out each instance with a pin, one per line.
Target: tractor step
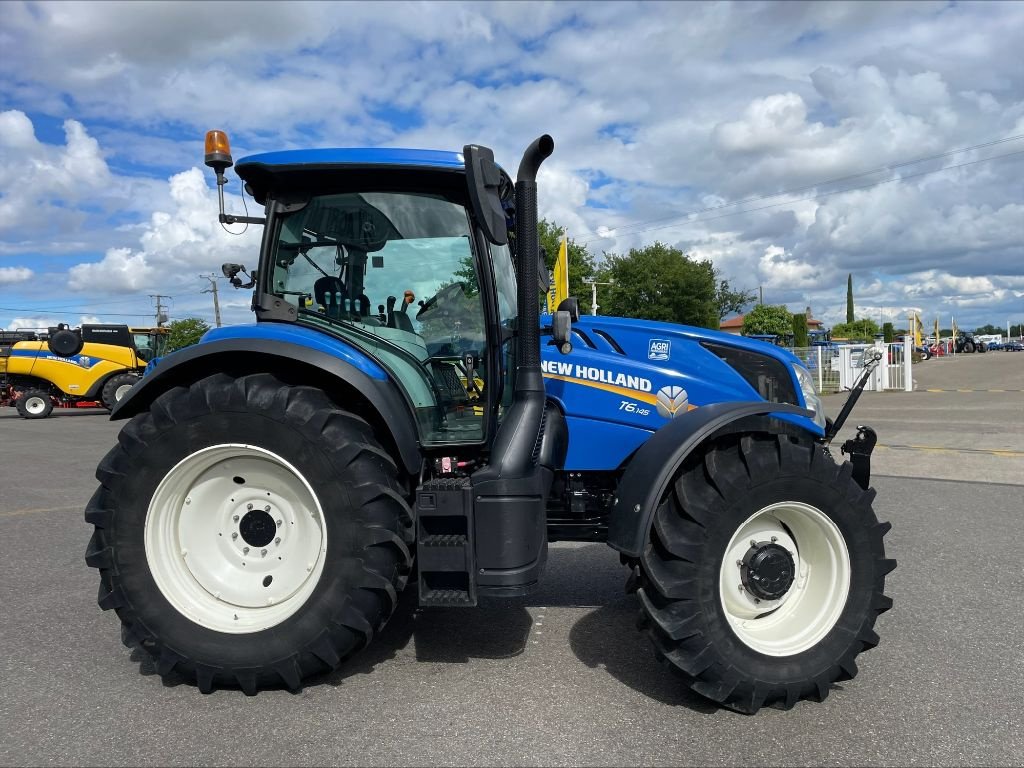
(444, 543)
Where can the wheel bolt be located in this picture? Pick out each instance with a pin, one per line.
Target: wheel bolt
(234, 519)
(263, 553)
(774, 539)
(280, 523)
(757, 600)
(245, 550)
(248, 506)
(753, 544)
(266, 508)
(277, 540)
(739, 563)
(234, 535)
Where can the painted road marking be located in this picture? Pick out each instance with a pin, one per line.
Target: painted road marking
(939, 449)
(40, 511)
(974, 390)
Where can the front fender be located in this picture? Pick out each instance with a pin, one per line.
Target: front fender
(324, 367)
(653, 466)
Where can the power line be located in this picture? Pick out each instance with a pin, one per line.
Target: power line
(819, 196)
(757, 198)
(94, 310)
(76, 308)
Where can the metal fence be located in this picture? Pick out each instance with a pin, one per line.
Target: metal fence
(824, 367)
(837, 368)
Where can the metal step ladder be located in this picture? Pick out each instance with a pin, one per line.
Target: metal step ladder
(444, 543)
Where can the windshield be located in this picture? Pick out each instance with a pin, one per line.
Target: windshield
(394, 273)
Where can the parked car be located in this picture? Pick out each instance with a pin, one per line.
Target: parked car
(1014, 346)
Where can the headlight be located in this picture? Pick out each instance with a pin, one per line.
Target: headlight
(811, 399)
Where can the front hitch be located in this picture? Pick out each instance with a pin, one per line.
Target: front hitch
(859, 450)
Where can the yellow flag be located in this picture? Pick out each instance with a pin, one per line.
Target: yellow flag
(560, 283)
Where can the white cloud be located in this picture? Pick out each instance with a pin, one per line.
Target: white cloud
(11, 275)
(174, 246)
(657, 110)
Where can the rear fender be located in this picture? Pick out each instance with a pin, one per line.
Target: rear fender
(366, 389)
(652, 467)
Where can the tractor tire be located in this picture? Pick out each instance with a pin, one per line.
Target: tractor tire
(116, 387)
(249, 533)
(764, 573)
(969, 347)
(34, 404)
(982, 347)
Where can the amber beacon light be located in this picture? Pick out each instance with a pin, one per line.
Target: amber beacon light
(218, 150)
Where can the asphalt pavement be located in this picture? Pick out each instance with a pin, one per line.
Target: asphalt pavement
(559, 678)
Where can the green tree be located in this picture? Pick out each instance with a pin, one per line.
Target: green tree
(849, 298)
(888, 332)
(768, 318)
(731, 302)
(658, 282)
(581, 262)
(800, 330)
(864, 329)
(185, 332)
(986, 330)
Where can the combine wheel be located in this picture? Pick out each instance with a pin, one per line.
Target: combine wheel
(248, 533)
(116, 387)
(35, 404)
(764, 573)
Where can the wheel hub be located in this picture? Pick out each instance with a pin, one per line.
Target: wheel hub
(257, 528)
(767, 570)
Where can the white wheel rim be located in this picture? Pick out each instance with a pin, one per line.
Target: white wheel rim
(35, 405)
(235, 557)
(122, 391)
(812, 605)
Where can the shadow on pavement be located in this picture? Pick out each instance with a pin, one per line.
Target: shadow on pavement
(607, 638)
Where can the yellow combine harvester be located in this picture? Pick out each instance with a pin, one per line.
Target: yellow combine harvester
(68, 367)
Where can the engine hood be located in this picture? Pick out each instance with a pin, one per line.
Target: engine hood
(633, 376)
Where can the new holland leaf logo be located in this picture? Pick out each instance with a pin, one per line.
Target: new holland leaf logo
(672, 401)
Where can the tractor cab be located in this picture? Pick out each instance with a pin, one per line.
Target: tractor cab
(403, 254)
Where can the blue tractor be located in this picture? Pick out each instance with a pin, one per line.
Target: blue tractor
(400, 415)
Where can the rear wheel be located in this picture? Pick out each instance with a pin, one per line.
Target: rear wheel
(764, 573)
(249, 533)
(35, 404)
(116, 387)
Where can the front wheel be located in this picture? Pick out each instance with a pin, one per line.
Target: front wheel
(35, 404)
(248, 532)
(764, 573)
(116, 387)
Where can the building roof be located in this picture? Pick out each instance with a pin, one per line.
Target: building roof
(737, 322)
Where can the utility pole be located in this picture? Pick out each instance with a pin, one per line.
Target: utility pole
(760, 294)
(216, 301)
(161, 318)
(593, 293)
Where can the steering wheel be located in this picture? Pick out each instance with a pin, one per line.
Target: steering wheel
(447, 295)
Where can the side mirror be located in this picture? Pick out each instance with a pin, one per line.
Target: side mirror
(231, 273)
(571, 305)
(484, 180)
(561, 328)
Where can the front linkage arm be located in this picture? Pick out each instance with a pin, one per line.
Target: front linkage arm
(858, 448)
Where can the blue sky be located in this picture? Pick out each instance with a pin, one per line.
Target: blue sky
(658, 111)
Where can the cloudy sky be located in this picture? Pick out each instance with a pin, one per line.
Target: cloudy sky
(789, 143)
